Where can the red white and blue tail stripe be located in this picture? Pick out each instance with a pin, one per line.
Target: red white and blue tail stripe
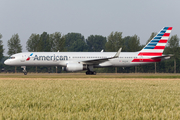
(156, 46)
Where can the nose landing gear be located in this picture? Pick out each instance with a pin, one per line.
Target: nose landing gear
(24, 70)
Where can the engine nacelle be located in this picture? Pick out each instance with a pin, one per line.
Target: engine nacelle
(75, 67)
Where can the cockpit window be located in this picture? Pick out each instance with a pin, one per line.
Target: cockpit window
(11, 57)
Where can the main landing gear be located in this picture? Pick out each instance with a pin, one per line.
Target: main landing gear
(24, 70)
(90, 70)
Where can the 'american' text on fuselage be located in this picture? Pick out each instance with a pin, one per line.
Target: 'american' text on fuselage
(50, 58)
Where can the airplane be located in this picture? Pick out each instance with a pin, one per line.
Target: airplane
(79, 61)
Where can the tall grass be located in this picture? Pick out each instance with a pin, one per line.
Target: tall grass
(82, 75)
(89, 98)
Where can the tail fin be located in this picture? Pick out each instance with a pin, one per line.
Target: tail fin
(156, 46)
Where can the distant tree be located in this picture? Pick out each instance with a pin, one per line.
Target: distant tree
(126, 42)
(1, 47)
(134, 44)
(114, 42)
(44, 43)
(14, 45)
(96, 43)
(57, 42)
(173, 45)
(75, 42)
(32, 45)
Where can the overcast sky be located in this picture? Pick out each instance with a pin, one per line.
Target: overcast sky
(88, 17)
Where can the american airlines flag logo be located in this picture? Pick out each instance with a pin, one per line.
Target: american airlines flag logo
(29, 57)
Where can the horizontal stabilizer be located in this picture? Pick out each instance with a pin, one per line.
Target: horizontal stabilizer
(159, 57)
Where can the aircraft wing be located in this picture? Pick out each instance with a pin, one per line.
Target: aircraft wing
(98, 61)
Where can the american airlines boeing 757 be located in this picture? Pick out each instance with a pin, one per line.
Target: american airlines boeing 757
(78, 61)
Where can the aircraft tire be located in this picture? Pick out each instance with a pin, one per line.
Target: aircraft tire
(91, 73)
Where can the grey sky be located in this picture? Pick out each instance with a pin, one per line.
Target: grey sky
(88, 17)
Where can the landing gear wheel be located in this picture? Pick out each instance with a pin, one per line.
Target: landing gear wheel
(91, 73)
(87, 73)
(25, 73)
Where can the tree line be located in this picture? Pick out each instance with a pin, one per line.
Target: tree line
(76, 42)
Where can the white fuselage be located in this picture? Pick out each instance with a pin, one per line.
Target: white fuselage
(63, 58)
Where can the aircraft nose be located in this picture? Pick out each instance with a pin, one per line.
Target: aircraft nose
(6, 62)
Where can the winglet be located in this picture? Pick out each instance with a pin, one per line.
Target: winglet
(118, 53)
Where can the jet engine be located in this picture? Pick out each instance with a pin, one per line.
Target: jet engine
(75, 67)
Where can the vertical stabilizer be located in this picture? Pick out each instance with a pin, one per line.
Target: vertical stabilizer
(156, 46)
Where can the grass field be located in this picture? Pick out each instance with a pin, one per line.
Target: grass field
(82, 75)
(83, 97)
